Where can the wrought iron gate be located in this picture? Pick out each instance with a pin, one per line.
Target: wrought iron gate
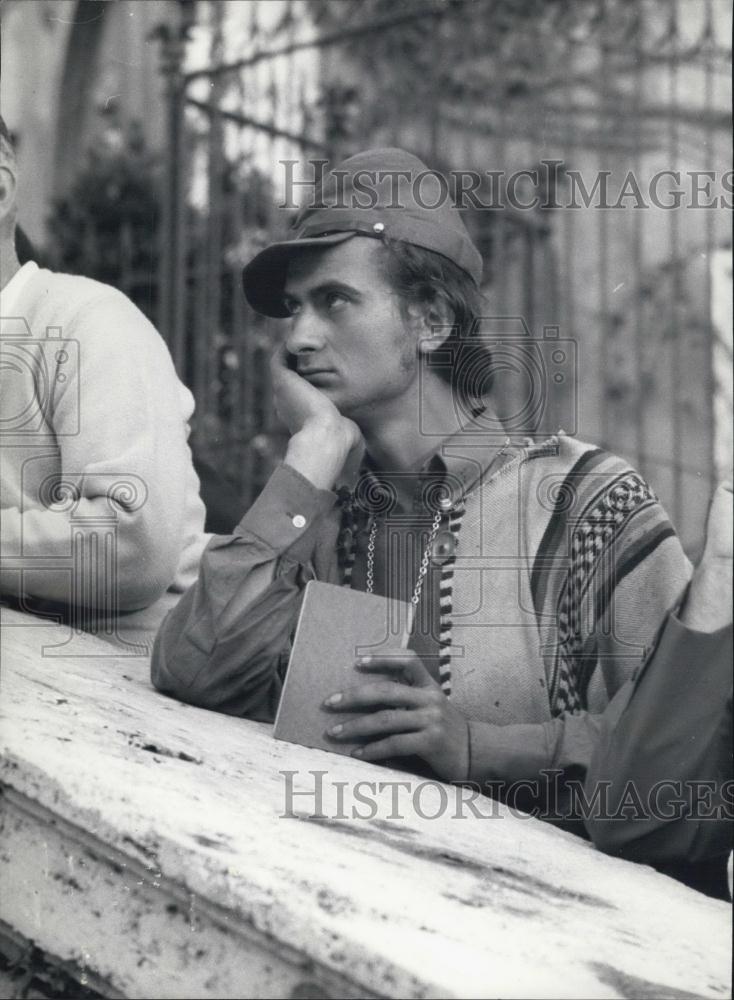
(600, 88)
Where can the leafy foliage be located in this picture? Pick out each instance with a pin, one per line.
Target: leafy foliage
(106, 226)
(456, 46)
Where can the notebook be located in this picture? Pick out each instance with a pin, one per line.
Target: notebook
(335, 626)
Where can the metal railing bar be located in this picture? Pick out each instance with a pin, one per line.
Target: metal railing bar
(710, 145)
(247, 122)
(637, 259)
(331, 38)
(676, 272)
(603, 252)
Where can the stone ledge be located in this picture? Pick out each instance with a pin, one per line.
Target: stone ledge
(121, 803)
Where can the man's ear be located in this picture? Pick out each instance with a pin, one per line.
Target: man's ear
(436, 326)
(8, 186)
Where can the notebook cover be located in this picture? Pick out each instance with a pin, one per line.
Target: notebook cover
(336, 625)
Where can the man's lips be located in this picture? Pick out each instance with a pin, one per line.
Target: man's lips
(313, 372)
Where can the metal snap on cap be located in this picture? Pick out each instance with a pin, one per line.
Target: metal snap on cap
(299, 521)
(379, 227)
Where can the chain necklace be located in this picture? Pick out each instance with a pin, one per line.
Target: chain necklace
(425, 560)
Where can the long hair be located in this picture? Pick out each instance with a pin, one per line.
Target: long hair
(424, 278)
(6, 143)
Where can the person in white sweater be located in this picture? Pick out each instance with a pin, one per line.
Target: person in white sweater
(100, 505)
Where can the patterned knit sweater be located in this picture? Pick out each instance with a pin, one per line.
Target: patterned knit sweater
(564, 568)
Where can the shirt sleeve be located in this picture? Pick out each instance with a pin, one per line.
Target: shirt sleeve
(536, 767)
(225, 645)
(663, 757)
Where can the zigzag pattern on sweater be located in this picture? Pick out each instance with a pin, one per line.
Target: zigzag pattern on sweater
(595, 567)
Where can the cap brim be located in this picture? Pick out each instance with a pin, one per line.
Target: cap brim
(263, 279)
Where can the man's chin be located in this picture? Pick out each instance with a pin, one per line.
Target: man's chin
(358, 411)
(338, 397)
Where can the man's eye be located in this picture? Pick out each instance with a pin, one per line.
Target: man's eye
(292, 306)
(335, 300)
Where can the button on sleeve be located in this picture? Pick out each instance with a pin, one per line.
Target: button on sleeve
(285, 510)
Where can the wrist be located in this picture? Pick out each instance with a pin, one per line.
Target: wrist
(707, 607)
(318, 451)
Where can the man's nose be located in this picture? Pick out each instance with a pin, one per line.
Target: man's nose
(306, 333)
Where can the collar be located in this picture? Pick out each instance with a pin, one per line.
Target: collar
(459, 462)
(11, 293)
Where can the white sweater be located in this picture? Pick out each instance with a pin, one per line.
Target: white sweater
(99, 499)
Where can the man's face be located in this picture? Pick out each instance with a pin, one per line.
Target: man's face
(348, 336)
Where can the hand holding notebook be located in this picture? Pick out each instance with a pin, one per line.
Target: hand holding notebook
(336, 625)
(385, 707)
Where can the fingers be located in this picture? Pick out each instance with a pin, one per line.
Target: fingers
(385, 723)
(398, 745)
(377, 694)
(405, 665)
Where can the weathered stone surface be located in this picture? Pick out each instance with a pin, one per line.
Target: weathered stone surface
(150, 843)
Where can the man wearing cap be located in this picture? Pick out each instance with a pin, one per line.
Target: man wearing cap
(538, 572)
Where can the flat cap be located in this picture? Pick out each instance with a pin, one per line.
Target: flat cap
(376, 193)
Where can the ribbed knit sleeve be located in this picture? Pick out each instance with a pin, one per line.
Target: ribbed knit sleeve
(100, 500)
